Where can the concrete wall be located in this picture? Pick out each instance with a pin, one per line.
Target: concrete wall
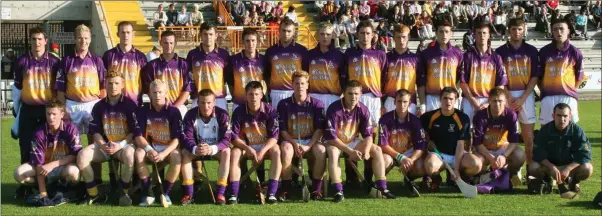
(101, 41)
(49, 10)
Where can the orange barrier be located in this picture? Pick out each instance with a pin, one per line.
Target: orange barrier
(183, 33)
(220, 8)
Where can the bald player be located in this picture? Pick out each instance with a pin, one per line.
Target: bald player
(561, 66)
(244, 67)
(323, 63)
(157, 135)
(403, 71)
(127, 60)
(207, 64)
(172, 70)
(483, 71)
(282, 60)
(112, 126)
(496, 136)
(442, 64)
(347, 119)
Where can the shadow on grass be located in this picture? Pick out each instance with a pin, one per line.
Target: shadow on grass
(8, 190)
(585, 204)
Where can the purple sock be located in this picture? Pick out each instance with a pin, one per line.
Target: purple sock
(381, 184)
(272, 187)
(125, 185)
(234, 186)
(145, 182)
(317, 184)
(188, 190)
(338, 187)
(167, 187)
(221, 190)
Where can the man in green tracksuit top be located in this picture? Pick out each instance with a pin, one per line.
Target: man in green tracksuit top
(562, 152)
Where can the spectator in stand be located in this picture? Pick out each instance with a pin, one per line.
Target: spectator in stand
(183, 17)
(456, 12)
(159, 17)
(384, 36)
(292, 15)
(421, 46)
(364, 10)
(328, 12)
(320, 4)
(410, 21)
(483, 11)
(196, 17)
(238, 12)
(582, 23)
(153, 54)
(355, 11)
(340, 34)
(500, 22)
(172, 15)
(396, 16)
(351, 27)
(54, 50)
(415, 9)
(468, 40)
(597, 14)
(220, 21)
(554, 18)
(253, 8)
(255, 19)
(343, 10)
(489, 19)
(472, 13)
(278, 11)
(521, 14)
(425, 26)
(552, 4)
(265, 7)
(572, 20)
(246, 19)
(428, 8)
(382, 12)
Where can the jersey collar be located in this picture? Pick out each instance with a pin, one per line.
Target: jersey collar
(49, 131)
(132, 50)
(120, 98)
(261, 108)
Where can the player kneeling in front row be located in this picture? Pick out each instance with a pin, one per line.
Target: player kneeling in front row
(448, 130)
(402, 138)
(348, 118)
(562, 152)
(156, 134)
(205, 134)
(54, 149)
(301, 120)
(112, 126)
(255, 137)
(496, 136)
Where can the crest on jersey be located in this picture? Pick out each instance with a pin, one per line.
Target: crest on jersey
(569, 144)
(452, 60)
(434, 61)
(586, 147)
(246, 124)
(241, 69)
(550, 59)
(259, 71)
(74, 69)
(509, 58)
(228, 126)
(391, 64)
(355, 59)
(490, 66)
(330, 64)
(451, 128)
(313, 62)
(422, 134)
(394, 132)
(159, 73)
(115, 62)
(373, 60)
(121, 116)
(148, 122)
(275, 58)
(214, 129)
(293, 117)
(106, 126)
(197, 64)
(295, 57)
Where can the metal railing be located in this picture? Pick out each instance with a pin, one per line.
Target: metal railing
(221, 10)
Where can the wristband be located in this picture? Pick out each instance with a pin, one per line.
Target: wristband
(148, 148)
(400, 157)
(422, 107)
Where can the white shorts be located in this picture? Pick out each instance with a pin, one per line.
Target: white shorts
(80, 113)
(219, 102)
(123, 144)
(498, 152)
(469, 110)
(374, 105)
(408, 153)
(257, 147)
(278, 95)
(159, 148)
(302, 142)
(527, 114)
(183, 110)
(546, 109)
(449, 159)
(390, 105)
(326, 99)
(433, 102)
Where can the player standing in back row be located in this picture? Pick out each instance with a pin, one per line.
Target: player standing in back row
(244, 67)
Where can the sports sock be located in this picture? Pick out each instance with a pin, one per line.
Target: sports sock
(381, 184)
(125, 186)
(145, 182)
(272, 187)
(221, 186)
(92, 189)
(234, 186)
(338, 187)
(188, 188)
(167, 187)
(317, 184)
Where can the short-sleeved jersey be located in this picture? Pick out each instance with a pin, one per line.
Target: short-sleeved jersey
(494, 133)
(130, 64)
(158, 127)
(562, 147)
(255, 129)
(561, 70)
(281, 62)
(113, 122)
(213, 131)
(445, 131)
(403, 72)
(483, 72)
(81, 77)
(401, 135)
(443, 68)
(301, 121)
(324, 70)
(47, 146)
(174, 73)
(367, 67)
(347, 125)
(35, 78)
(208, 70)
(243, 70)
(521, 64)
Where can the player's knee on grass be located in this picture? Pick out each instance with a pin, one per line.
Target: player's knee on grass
(127, 155)
(274, 153)
(432, 164)
(583, 171)
(84, 157)
(471, 164)
(287, 150)
(24, 174)
(417, 170)
(535, 170)
(319, 151)
(139, 156)
(516, 160)
(175, 158)
(375, 150)
(71, 173)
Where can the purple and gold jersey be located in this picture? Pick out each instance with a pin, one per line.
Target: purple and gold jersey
(443, 68)
(81, 78)
(130, 64)
(208, 70)
(214, 131)
(174, 73)
(403, 72)
(483, 72)
(113, 122)
(301, 121)
(160, 126)
(47, 147)
(280, 64)
(401, 135)
(561, 70)
(323, 69)
(35, 78)
(347, 125)
(367, 67)
(521, 64)
(243, 70)
(255, 129)
(494, 133)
